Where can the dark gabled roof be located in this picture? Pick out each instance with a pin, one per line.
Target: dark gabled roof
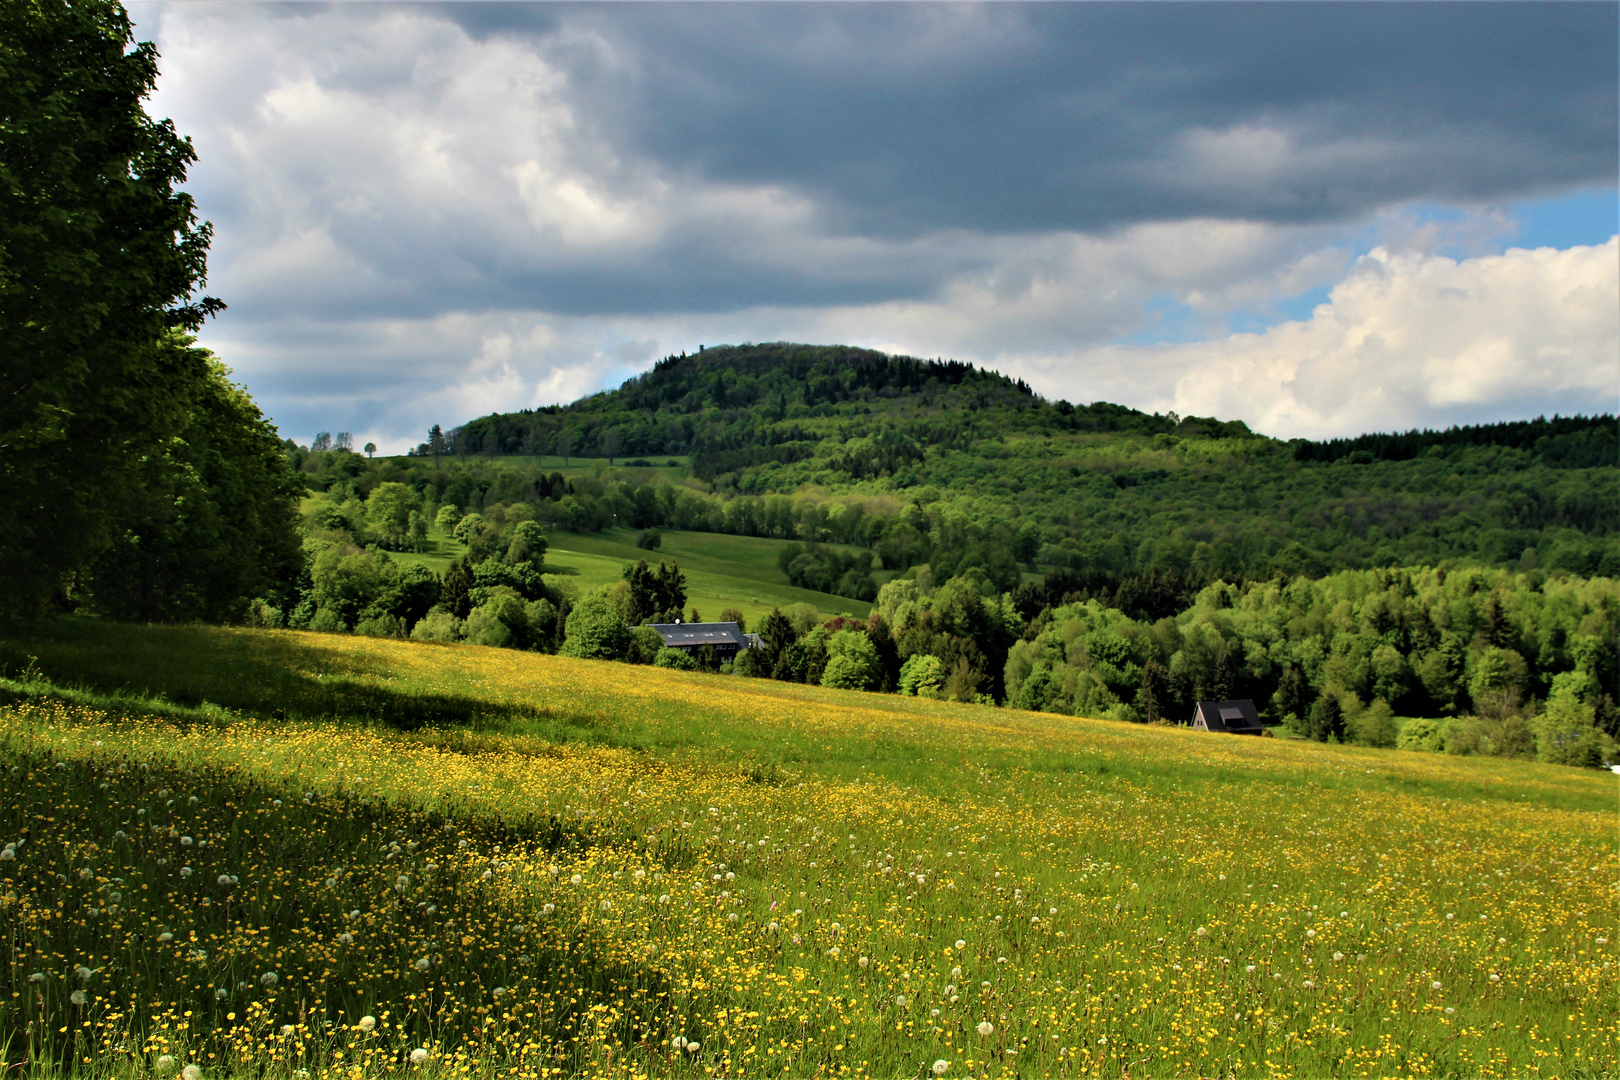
(1233, 717)
(688, 635)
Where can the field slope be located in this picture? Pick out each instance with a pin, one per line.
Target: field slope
(597, 866)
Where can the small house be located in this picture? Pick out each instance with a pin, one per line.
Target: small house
(1232, 717)
(726, 637)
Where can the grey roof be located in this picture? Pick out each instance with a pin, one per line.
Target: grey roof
(697, 634)
(1230, 716)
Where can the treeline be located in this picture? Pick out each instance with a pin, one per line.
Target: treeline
(1570, 442)
(138, 481)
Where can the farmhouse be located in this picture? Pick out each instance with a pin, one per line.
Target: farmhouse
(1232, 717)
(726, 637)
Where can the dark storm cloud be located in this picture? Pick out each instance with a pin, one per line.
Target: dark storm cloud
(900, 119)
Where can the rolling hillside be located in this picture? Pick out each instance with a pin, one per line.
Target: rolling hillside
(603, 870)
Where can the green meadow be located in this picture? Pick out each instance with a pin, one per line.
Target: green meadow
(282, 853)
(721, 571)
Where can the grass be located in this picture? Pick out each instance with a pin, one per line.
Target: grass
(721, 571)
(801, 881)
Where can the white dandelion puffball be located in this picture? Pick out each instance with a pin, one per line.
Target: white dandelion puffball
(185, 871)
(83, 972)
(1344, 914)
(1308, 984)
(1200, 931)
(1338, 956)
(863, 961)
(269, 979)
(345, 939)
(575, 880)
(165, 936)
(693, 1047)
(900, 1000)
(163, 1064)
(1310, 933)
(368, 1023)
(549, 908)
(287, 1031)
(423, 964)
(956, 972)
(678, 1042)
(986, 1029)
(185, 841)
(191, 1072)
(1495, 978)
(419, 1056)
(1249, 969)
(960, 944)
(1435, 985)
(77, 997)
(1102, 1039)
(941, 1067)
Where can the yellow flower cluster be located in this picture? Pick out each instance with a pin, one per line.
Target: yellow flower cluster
(663, 879)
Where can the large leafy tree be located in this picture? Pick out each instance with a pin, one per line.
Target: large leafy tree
(100, 261)
(212, 519)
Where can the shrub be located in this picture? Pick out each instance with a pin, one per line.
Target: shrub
(674, 658)
(645, 645)
(650, 540)
(1566, 733)
(922, 675)
(595, 630)
(1374, 725)
(383, 625)
(852, 662)
(1421, 734)
(328, 621)
(437, 625)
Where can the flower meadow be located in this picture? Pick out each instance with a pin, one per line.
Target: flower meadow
(678, 875)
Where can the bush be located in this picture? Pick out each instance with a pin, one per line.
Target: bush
(1374, 725)
(852, 662)
(328, 621)
(595, 630)
(650, 540)
(1421, 734)
(645, 645)
(752, 663)
(674, 658)
(437, 625)
(1566, 733)
(384, 625)
(922, 675)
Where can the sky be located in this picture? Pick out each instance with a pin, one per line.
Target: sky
(1321, 219)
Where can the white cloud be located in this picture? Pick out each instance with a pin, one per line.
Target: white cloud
(1409, 338)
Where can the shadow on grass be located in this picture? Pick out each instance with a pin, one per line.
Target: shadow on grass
(273, 676)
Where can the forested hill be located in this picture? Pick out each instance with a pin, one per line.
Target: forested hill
(955, 462)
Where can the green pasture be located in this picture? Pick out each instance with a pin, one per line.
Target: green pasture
(721, 571)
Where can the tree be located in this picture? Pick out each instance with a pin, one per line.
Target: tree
(371, 448)
(388, 513)
(455, 596)
(1326, 720)
(565, 444)
(735, 615)
(596, 630)
(656, 596)
(852, 662)
(210, 523)
(344, 441)
(321, 443)
(922, 675)
(436, 444)
(102, 257)
(1154, 694)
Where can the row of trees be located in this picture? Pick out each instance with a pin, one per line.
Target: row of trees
(138, 481)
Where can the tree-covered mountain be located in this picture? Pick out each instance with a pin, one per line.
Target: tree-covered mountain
(949, 462)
